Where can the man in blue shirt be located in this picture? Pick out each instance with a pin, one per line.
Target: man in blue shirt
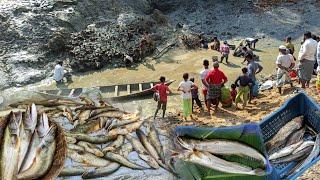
(253, 69)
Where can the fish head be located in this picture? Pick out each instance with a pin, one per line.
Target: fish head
(43, 125)
(49, 137)
(30, 118)
(15, 122)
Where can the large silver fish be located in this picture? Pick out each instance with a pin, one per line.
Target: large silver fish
(314, 153)
(44, 157)
(41, 131)
(285, 151)
(155, 141)
(43, 125)
(282, 135)
(294, 157)
(303, 145)
(208, 160)
(10, 147)
(143, 153)
(222, 147)
(27, 129)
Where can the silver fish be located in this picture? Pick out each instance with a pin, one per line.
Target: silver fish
(102, 171)
(155, 141)
(314, 153)
(222, 147)
(115, 144)
(285, 151)
(208, 160)
(91, 148)
(26, 131)
(44, 157)
(43, 125)
(72, 171)
(283, 133)
(303, 145)
(143, 154)
(122, 160)
(293, 157)
(10, 148)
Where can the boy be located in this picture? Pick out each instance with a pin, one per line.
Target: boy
(245, 82)
(195, 96)
(233, 92)
(163, 91)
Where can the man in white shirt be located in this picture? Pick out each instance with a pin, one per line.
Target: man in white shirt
(203, 75)
(251, 42)
(58, 73)
(318, 68)
(306, 58)
(285, 62)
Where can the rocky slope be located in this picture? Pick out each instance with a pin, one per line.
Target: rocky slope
(94, 34)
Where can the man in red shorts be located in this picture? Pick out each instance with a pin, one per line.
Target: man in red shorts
(163, 91)
(203, 75)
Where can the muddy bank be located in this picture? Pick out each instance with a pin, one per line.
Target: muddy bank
(37, 34)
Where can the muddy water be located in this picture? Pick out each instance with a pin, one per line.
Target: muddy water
(172, 65)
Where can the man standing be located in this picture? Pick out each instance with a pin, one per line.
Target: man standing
(163, 91)
(203, 75)
(285, 63)
(224, 50)
(306, 59)
(214, 81)
(58, 73)
(253, 69)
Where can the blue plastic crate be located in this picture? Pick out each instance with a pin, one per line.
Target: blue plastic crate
(299, 105)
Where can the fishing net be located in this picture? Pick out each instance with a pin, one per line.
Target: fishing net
(248, 134)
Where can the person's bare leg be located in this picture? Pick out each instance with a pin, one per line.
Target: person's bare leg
(209, 105)
(217, 104)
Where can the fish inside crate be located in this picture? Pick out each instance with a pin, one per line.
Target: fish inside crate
(289, 131)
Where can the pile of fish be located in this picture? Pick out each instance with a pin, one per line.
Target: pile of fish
(28, 144)
(294, 142)
(223, 155)
(102, 137)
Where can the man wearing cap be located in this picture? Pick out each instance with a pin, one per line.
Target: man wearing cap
(285, 63)
(203, 75)
(214, 81)
(307, 59)
(224, 50)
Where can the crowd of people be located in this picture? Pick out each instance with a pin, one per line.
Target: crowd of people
(213, 81)
(245, 87)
